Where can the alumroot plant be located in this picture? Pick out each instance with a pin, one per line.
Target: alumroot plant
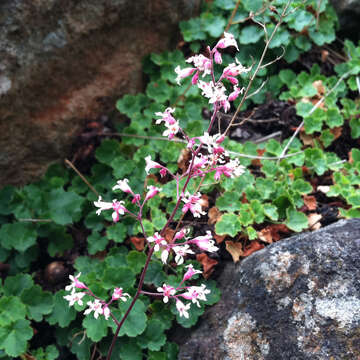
(208, 155)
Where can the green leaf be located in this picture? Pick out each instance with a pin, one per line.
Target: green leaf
(229, 224)
(271, 212)
(192, 30)
(38, 302)
(228, 202)
(315, 158)
(355, 128)
(251, 34)
(59, 241)
(287, 76)
(12, 309)
(135, 323)
(62, 314)
(171, 350)
(301, 186)
(327, 137)
(158, 91)
(153, 338)
(130, 105)
(14, 337)
(121, 276)
(117, 232)
(19, 236)
(64, 206)
(194, 314)
(6, 196)
(334, 118)
(214, 25)
(136, 260)
(161, 312)
(96, 329)
(108, 151)
(96, 242)
(155, 274)
(129, 349)
(296, 221)
(252, 5)
(15, 285)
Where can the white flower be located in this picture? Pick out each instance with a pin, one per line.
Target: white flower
(181, 251)
(196, 293)
(167, 291)
(75, 283)
(183, 73)
(117, 206)
(226, 41)
(119, 294)
(213, 93)
(151, 164)
(205, 242)
(94, 306)
(182, 308)
(158, 240)
(123, 186)
(171, 130)
(201, 62)
(75, 297)
(164, 255)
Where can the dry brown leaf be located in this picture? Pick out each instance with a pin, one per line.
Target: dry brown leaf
(310, 202)
(337, 131)
(324, 55)
(184, 158)
(138, 243)
(254, 246)
(314, 221)
(307, 140)
(214, 215)
(207, 263)
(169, 234)
(219, 238)
(265, 235)
(319, 86)
(235, 249)
(257, 162)
(204, 201)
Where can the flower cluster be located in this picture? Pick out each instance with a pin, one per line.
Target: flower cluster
(98, 306)
(193, 293)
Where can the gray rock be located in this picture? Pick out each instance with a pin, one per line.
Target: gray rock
(63, 62)
(297, 299)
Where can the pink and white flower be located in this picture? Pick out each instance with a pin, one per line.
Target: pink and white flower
(119, 294)
(75, 297)
(172, 130)
(181, 234)
(193, 203)
(183, 73)
(205, 242)
(196, 293)
(202, 63)
(168, 291)
(94, 306)
(181, 251)
(123, 186)
(158, 240)
(182, 308)
(235, 93)
(75, 283)
(234, 69)
(226, 41)
(117, 206)
(153, 191)
(106, 312)
(213, 93)
(151, 164)
(190, 272)
(231, 169)
(165, 255)
(166, 116)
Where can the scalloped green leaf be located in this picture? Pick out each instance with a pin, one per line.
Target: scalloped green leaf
(19, 236)
(62, 314)
(153, 338)
(14, 337)
(38, 302)
(12, 309)
(229, 224)
(296, 220)
(96, 329)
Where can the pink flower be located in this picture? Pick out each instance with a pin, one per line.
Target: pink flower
(213, 142)
(234, 69)
(153, 190)
(202, 64)
(167, 291)
(171, 130)
(193, 203)
(119, 294)
(181, 234)
(75, 297)
(166, 116)
(205, 242)
(158, 240)
(75, 283)
(123, 186)
(182, 308)
(190, 272)
(151, 164)
(183, 73)
(117, 206)
(181, 251)
(213, 93)
(235, 93)
(231, 169)
(196, 293)
(226, 41)
(94, 306)
(217, 57)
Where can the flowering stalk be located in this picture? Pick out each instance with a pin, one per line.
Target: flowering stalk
(207, 156)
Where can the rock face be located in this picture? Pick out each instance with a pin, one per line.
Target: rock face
(297, 299)
(62, 61)
(349, 14)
